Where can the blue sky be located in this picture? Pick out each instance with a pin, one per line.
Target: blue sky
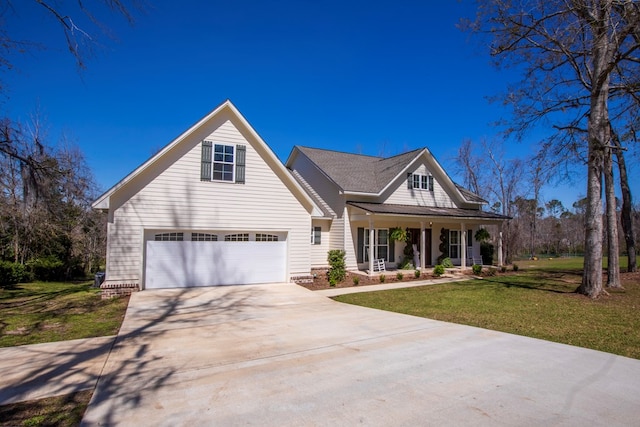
(359, 76)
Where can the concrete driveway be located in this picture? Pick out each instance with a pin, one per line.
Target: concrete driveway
(282, 355)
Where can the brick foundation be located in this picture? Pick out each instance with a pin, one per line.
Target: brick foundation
(302, 279)
(117, 290)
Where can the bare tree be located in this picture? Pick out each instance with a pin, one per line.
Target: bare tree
(580, 61)
(627, 205)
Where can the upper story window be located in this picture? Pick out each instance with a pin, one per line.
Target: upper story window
(223, 162)
(420, 182)
(169, 237)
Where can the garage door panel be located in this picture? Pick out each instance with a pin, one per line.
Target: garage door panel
(191, 264)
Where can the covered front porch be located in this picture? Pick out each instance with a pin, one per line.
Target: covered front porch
(416, 237)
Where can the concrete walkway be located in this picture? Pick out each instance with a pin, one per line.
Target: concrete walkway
(282, 355)
(29, 372)
(333, 292)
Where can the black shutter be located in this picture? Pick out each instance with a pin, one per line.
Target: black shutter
(392, 249)
(241, 155)
(409, 181)
(360, 247)
(205, 167)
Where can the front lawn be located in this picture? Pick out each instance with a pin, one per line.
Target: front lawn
(538, 302)
(40, 312)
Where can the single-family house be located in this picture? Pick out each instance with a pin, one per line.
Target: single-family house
(365, 198)
(216, 207)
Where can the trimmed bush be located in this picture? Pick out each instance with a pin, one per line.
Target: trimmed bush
(337, 268)
(477, 269)
(503, 269)
(486, 251)
(12, 273)
(446, 263)
(417, 274)
(382, 278)
(356, 280)
(515, 267)
(399, 276)
(438, 270)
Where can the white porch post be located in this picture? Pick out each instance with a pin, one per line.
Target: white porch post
(423, 245)
(372, 235)
(463, 244)
(500, 261)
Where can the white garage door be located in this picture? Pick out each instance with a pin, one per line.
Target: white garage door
(186, 264)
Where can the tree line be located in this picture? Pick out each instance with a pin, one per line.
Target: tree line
(48, 230)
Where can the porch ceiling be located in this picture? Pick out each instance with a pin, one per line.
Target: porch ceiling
(427, 211)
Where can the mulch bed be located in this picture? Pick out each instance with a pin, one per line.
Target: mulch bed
(320, 280)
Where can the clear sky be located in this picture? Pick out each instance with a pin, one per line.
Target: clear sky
(359, 76)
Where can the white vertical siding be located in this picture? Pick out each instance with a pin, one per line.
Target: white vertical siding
(402, 195)
(170, 195)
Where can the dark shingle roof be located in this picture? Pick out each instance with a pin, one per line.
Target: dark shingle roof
(357, 172)
(391, 209)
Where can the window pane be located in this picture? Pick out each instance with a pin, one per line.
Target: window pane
(416, 181)
(382, 252)
(425, 182)
(383, 236)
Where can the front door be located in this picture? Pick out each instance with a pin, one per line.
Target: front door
(415, 240)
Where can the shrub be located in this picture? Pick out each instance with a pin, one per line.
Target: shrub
(486, 251)
(47, 269)
(446, 263)
(382, 278)
(515, 267)
(503, 269)
(12, 273)
(356, 280)
(477, 269)
(417, 274)
(399, 276)
(337, 268)
(438, 270)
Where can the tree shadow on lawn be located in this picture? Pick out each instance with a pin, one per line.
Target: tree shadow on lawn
(559, 282)
(72, 371)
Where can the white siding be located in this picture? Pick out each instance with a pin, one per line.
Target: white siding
(402, 195)
(323, 187)
(319, 252)
(170, 195)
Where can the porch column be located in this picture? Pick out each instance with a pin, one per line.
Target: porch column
(500, 247)
(463, 243)
(372, 236)
(423, 245)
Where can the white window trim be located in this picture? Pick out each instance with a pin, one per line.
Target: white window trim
(313, 235)
(376, 237)
(456, 245)
(213, 162)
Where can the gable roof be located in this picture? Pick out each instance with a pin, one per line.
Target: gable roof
(364, 174)
(267, 154)
(358, 173)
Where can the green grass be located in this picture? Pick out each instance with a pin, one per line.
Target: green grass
(38, 312)
(60, 411)
(538, 302)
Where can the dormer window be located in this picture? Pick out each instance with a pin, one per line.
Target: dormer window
(419, 182)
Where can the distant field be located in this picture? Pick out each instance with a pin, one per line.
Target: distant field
(573, 263)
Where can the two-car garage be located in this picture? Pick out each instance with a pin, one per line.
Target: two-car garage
(181, 259)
